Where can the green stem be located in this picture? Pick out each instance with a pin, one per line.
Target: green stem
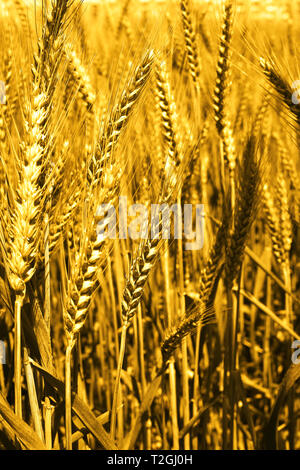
(185, 380)
(17, 356)
(172, 373)
(173, 403)
(196, 380)
(48, 423)
(33, 401)
(117, 383)
(68, 398)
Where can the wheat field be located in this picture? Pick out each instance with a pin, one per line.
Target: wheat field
(150, 238)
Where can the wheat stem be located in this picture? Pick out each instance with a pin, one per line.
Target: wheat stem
(68, 397)
(17, 358)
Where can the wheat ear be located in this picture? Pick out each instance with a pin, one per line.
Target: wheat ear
(283, 89)
(246, 204)
(79, 295)
(81, 78)
(222, 80)
(191, 44)
(167, 107)
(118, 119)
(24, 224)
(187, 326)
(221, 91)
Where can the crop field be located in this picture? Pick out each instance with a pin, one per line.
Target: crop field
(150, 225)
